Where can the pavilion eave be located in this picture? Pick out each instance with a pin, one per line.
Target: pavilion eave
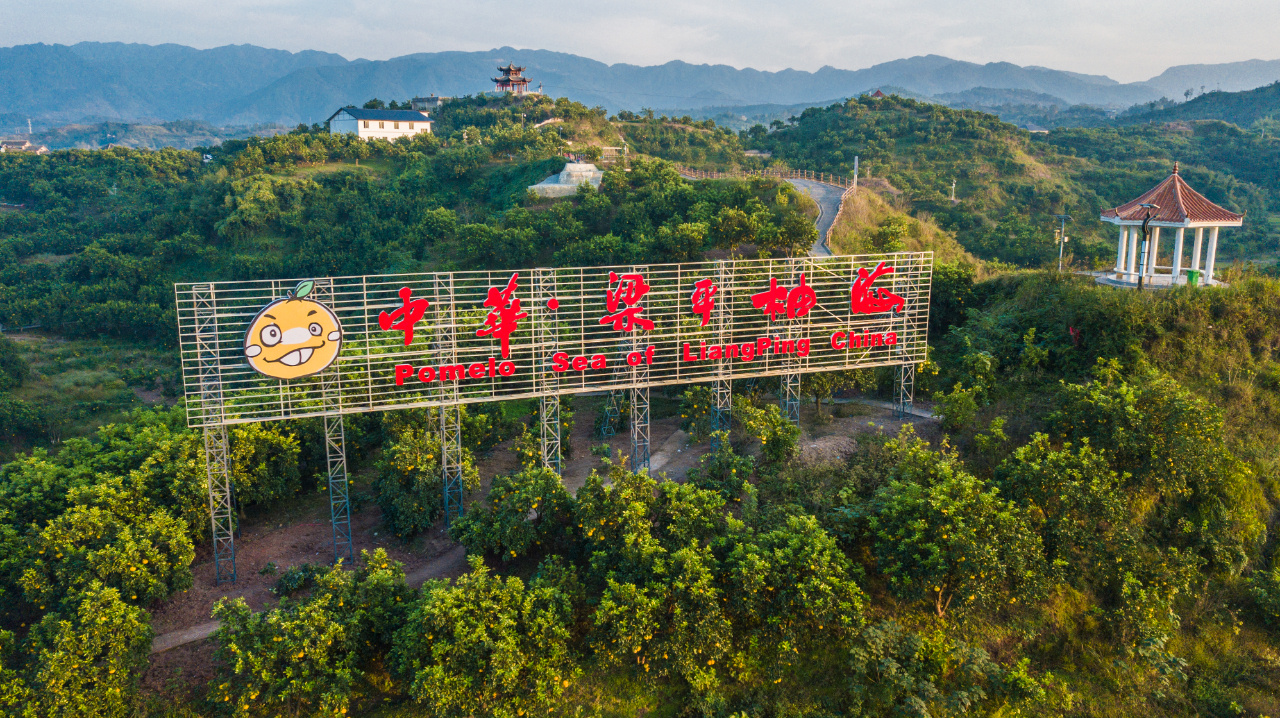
(1186, 224)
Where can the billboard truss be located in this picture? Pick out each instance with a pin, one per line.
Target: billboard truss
(267, 350)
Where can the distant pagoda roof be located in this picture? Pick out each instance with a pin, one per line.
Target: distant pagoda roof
(1178, 204)
(512, 80)
(510, 69)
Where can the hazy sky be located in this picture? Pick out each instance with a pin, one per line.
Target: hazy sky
(1107, 37)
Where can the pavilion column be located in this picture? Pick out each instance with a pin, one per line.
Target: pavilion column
(1152, 251)
(1195, 250)
(1177, 254)
(1133, 253)
(1213, 254)
(1124, 240)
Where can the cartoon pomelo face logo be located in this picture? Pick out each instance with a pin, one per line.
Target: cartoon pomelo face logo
(293, 337)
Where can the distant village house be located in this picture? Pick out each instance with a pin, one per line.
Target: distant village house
(428, 103)
(379, 124)
(22, 146)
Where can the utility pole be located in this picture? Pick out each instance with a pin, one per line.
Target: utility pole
(953, 191)
(29, 126)
(1062, 228)
(855, 172)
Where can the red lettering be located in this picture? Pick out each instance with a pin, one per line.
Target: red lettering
(504, 315)
(560, 362)
(454, 372)
(837, 340)
(688, 355)
(476, 370)
(403, 371)
(599, 361)
(405, 317)
(579, 363)
(507, 368)
(426, 374)
(891, 338)
(762, 344)
(648, 355)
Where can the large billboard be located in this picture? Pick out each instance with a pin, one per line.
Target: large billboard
(276, 349)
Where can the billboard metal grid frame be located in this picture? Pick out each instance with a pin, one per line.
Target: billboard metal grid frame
(223, 389)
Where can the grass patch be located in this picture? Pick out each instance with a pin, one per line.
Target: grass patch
(81, 385)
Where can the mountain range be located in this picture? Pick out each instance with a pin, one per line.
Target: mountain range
(246, 85)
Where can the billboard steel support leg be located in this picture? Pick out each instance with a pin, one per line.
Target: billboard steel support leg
(904, 393)
(723, 391)
(723, 387)
(640, 428)
(451, 461)
(339, 501)
(612, 413)
(222, 514)
(789, 395)
(549, 417)
(217, 448)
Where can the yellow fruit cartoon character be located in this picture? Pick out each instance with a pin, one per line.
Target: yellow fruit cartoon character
(293, 337)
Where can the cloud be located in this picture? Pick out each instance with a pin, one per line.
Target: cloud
(1126, 39)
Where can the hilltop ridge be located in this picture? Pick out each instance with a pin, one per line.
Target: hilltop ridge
(246, 84)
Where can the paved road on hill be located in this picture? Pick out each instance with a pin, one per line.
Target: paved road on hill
(828, 198)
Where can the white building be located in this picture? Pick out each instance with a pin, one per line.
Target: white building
(384, 124)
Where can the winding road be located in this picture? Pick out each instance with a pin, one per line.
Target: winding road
(828, 197)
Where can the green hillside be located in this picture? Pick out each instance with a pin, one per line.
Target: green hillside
(1239, 108)
(1009, 183)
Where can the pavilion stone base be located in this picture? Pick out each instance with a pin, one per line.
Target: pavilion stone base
(1112, 278)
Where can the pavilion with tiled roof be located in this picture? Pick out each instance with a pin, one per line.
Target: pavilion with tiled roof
(1172, 204)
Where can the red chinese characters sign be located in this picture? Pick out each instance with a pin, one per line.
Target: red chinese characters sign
(427, 339)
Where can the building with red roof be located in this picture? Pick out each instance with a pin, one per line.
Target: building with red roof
(1173, 205)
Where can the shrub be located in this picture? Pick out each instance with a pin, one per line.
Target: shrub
(112, 536)
(779, 438)
(308, 656)
(895, 672)
(264, 464)
(410, 483)
(722, 470)
(698, 413)
(523, 510)
(86, 663)
(486, 646)
(285, 659)
(941, 533)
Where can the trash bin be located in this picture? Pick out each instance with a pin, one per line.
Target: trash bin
(1193, 277)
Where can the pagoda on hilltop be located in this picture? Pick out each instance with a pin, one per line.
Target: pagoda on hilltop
(511, 80)
(1174, 206)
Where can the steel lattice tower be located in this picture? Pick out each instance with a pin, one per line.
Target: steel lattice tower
(216, 446)
(451, 412)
